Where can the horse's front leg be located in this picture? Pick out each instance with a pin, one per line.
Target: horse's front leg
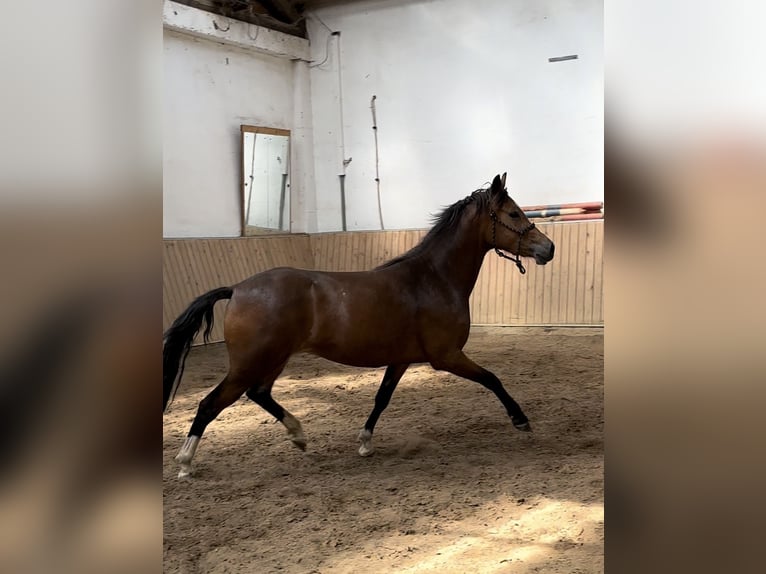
(387, 386)
(458, 364)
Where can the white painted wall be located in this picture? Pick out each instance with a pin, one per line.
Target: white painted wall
(209, 91)
(464, 91)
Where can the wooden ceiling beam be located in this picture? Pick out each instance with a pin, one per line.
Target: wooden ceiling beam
(284, 10)
(256, 12)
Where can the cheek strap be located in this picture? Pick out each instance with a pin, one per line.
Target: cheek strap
(517, 258)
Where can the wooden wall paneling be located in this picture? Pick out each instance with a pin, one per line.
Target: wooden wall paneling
(569, 290)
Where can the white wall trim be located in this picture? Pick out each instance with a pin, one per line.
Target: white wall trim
(195, 22)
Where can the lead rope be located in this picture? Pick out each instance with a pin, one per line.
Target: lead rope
(516, 259)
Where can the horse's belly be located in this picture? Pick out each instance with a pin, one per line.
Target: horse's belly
(362, 351)
(359, 320)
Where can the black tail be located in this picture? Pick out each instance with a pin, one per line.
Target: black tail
(178, 338)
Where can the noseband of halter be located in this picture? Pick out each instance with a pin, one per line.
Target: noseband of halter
(517, 258)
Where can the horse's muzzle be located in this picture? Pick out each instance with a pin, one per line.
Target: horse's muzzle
(542, 259)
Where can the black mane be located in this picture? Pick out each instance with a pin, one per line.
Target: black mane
(445, 222)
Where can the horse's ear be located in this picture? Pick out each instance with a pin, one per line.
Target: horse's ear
(497, 185)
(502, 180)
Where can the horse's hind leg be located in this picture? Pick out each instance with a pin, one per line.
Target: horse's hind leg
(261, 395)
(222, 396)
(387, 387)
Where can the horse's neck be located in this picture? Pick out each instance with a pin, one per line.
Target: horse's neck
(459, 257)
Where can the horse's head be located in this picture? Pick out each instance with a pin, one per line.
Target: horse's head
(510, 230)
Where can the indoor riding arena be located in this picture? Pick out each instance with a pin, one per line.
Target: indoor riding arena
(450, 154)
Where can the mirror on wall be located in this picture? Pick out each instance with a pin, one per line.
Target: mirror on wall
(265, 180)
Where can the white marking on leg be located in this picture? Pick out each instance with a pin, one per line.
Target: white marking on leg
(365, 437)
(185, 456)
(294, 430)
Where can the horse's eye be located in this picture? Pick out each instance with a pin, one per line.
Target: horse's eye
(514, 214)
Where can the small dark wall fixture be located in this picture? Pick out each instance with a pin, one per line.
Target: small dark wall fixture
(563, 58)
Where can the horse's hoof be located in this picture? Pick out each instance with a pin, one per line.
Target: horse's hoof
(185, 472)
(365, 450)
(300, 443)
(525, 426)
(365, 437)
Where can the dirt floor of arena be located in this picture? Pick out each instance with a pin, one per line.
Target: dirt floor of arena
(452, 486)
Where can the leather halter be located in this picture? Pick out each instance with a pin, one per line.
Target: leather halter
(517, 258)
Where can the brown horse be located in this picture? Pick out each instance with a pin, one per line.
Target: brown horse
(412, 309)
